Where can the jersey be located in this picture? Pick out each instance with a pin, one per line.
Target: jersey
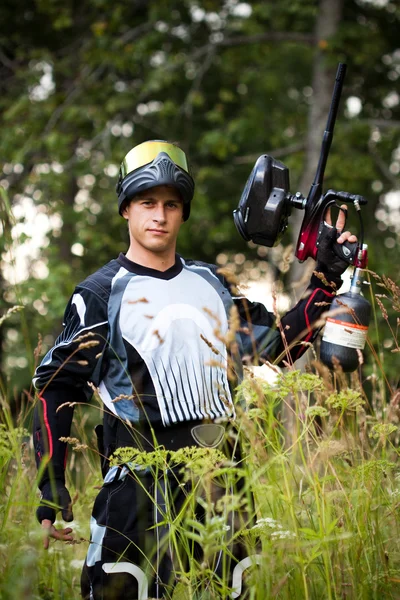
(154, 345)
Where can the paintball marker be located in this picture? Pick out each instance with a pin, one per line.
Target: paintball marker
(265, 206)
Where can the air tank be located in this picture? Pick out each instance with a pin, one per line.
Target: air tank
(346, 327)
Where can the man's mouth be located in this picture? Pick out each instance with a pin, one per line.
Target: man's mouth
(158, 231)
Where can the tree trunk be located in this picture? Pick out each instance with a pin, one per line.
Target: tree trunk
(323, 77)
(2, 311)
(328, 18)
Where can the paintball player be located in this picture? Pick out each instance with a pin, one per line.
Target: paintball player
(142, 331)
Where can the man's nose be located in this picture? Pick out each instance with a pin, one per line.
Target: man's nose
(159, 213)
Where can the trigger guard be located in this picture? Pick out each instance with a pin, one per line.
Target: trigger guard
(346, 251)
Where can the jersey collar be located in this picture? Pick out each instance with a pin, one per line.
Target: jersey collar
(133, 267)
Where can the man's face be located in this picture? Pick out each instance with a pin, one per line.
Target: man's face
(154, 218)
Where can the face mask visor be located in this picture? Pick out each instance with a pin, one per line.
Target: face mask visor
(145, 153)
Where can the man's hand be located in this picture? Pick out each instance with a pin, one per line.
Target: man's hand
(58, 534)
(345, 236)
(327, 260)
(55, 496)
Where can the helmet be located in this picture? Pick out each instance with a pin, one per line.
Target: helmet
(153, 163)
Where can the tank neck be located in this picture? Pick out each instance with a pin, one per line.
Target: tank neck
(356, 282)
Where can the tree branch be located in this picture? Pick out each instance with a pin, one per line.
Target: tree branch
(85, 78)
(382, 166)
(385, 123)
(7, 62)
(133, 33)
(270, 36)
(277, 153)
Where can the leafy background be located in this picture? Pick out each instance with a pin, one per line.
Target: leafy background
(82, 82)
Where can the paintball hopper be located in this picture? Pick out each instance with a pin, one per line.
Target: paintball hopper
(265, 206)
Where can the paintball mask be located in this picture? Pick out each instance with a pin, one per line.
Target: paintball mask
(154, 163)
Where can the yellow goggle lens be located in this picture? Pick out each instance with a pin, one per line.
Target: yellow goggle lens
(145, 153)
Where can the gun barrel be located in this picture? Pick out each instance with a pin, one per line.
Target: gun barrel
(328, 133)
(337, 92)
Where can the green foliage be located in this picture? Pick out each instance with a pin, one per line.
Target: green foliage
(323, 466)
(323, 517)
(82, 84)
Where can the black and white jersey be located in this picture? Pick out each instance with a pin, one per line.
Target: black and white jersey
(153, 344)
(151, 341)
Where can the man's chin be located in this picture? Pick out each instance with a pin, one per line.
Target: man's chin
(159, 248)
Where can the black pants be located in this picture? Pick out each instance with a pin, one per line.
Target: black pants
(151, 527)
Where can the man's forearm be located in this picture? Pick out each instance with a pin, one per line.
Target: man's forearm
(300, 325)
(52, 421)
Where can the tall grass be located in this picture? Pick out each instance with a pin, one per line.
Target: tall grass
(319, 495)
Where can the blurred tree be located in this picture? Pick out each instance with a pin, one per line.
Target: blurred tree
(82, 82)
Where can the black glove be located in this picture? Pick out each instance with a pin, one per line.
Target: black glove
(328, 262)
(61, 498)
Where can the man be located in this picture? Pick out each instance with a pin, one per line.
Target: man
(143, 330)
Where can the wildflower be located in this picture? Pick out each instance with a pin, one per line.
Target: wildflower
(215, 317)
(69, 404)
(69, 440)
(346, 400)
(230, 503)
(215, 363)
(330, 448)
(271, 528)
(85, 336)
(322, 277)
(209, 344)
(317, 411)
(198, 461)
(124, 455)
(282, 535)
(373, 469)
(382, 430)
(89, 344)
(11, 311)
(230, 277)
(234, 324)
(295, 381)
(158, 336)
(75, 443)
(383, 309)
(122, 397)
(143, 300)
(37, 351)
(266, 523)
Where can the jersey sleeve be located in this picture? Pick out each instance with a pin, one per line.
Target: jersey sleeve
(73, 358)
(63, 375)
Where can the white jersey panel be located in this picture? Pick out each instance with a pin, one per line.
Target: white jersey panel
(171, 325)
